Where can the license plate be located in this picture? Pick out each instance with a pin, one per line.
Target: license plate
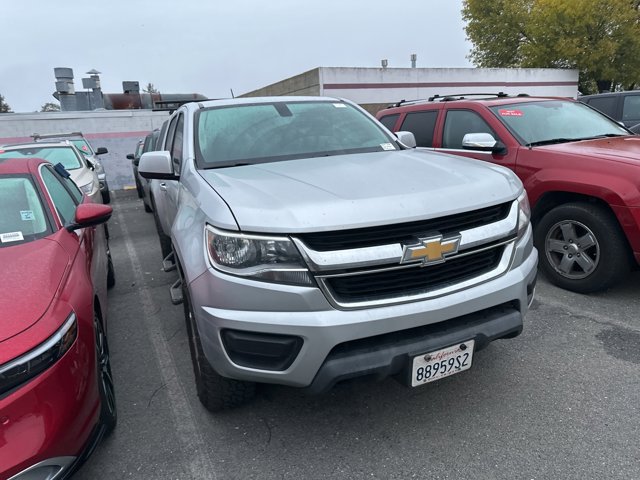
(442, 363)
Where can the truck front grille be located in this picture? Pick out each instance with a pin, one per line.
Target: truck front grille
(401, 232)
(368, 267)
(413, 280)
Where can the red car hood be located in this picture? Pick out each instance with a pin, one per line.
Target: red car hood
(623, 149)
(31, 275)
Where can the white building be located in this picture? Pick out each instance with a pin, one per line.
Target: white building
(375, 88)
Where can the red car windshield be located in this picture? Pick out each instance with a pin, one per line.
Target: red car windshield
(555, 121)
(22, 216)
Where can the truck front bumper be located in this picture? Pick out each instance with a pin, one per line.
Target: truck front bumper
(329, 345)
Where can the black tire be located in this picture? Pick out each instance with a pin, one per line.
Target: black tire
(139, 189)
(106, 389)
(111, 273)
(147, 208)
(165, 241)
(106, 196)
(581, 247)
(214, 391)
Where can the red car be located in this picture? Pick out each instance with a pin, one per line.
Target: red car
(56, 390)
(581, 171)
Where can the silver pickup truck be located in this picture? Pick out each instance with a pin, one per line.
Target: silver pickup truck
(314, 246)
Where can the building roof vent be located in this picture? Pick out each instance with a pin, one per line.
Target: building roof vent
(131, 87)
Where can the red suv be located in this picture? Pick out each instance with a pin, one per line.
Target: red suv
(581, 171)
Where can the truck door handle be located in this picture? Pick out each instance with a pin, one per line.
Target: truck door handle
(163, 186)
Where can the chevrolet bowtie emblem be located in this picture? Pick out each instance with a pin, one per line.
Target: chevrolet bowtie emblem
(430, 250)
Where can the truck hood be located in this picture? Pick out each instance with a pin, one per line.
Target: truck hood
(358, 190)
(31, 275)
(623, 149)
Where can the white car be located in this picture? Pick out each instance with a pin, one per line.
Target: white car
(65, 153)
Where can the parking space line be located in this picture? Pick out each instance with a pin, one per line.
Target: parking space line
(190, 437)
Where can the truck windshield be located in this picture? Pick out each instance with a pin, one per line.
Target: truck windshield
(254, 133)
(555, 121)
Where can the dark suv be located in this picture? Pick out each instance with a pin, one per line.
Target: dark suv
(580, 168)
(621, 106)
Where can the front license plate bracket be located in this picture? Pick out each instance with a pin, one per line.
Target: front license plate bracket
(435, 365)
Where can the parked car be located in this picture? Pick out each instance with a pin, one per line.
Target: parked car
(56, 390)
(313, 246)
(68, 155)
(135, 159)
(624, 107)
(579, 168)
(147, 144)
(83, 145)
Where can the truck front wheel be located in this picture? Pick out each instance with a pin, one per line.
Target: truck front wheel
(582, 248)
(214, 391)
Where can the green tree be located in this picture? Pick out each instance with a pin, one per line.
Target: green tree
(50, 107)
(599, 38)
(150, 88)
(4, 106)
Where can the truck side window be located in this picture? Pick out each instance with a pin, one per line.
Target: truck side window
(606, 105)
(176, 148)
(631, 108)
(460, 122)
(168, 144)
(421, 124)
(389, 121)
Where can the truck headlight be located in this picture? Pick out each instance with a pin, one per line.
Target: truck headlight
(270, 259)
(87, 188)
(524, 213)
(16, 372)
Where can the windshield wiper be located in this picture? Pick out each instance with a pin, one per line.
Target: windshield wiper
(566, 140)
(605, 135)
(551, 141)
(227, 164)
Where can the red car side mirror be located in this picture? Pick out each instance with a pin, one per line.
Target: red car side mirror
(90, 214)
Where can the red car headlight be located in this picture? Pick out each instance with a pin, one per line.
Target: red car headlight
(21, 369)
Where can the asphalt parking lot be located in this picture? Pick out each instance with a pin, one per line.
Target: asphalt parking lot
(561, 401)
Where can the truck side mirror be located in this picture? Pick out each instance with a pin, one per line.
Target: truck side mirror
(407, 139)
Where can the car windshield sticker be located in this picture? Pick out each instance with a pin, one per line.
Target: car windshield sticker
(339, 105)
(510, 113)
(11, 237)
(84, 147)
(27, 215)
(387, 146)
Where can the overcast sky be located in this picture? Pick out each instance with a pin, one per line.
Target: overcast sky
(209, 47)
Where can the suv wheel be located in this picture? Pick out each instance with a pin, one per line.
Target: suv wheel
(106, 196)
(214, 391)
(108, 410)
(582, 247)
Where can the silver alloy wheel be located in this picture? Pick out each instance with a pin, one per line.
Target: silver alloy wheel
(572, 249)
